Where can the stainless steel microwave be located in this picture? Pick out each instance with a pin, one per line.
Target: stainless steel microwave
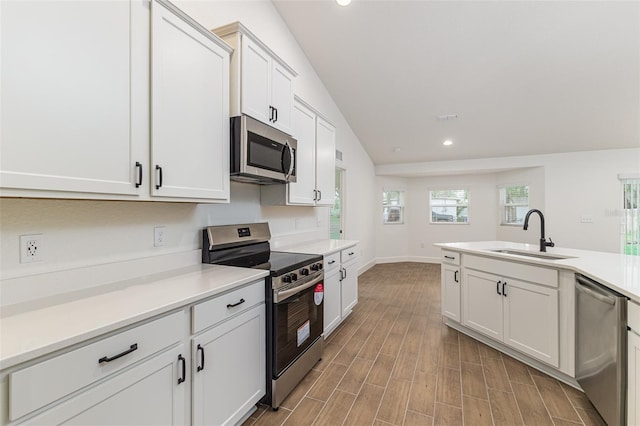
(260, 153)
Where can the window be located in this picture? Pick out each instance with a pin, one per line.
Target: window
(514, 204)
(449, 206)
(631, 216)
(393, 207)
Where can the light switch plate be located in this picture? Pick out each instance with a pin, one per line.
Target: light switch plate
(586, 218)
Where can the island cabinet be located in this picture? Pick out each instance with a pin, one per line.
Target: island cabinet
(93, 112)
(450, 278)
(515, 304)
(137, 376)
(229, 358)
(262, 84)
(315, 163)
(633, 363)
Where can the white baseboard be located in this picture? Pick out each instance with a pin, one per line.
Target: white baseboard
(364, 268)
(417, 259)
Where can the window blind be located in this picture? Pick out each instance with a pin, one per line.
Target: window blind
(631, 216)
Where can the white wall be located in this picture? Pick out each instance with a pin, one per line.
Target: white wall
(564, 186)
(392, 240)
(83, 233)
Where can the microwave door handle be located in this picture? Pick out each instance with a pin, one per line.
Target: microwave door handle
(291, 163)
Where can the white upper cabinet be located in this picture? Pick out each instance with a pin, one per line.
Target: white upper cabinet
(70, 89)
(315, 162)
(261, 82)
(190, 109)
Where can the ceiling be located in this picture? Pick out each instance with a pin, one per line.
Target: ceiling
(523, 77)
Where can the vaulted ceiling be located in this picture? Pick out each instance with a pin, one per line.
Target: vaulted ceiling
(522, 77)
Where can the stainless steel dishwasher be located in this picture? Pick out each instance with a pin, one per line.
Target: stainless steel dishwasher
(601, 348)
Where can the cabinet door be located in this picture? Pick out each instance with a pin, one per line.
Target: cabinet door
(349, 293)
(256, 74)
(633, 378)
(304, 122)
(282, 97)
(531, 320)
(233, 374)
(332, 305)
(450, 288)
(482, 305)
(190, 111)
(325, 162)
(68, 114)
(148, 394)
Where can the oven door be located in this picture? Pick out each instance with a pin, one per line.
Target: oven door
(297, 322)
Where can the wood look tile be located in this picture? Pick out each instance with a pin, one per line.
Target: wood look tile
(349, 351)
(272, 418)
(487, 351)
(381, 370)
(335, 410)
(447, 415)
(555, 399)
(423, 393)
(504, 408)
(372, 346)
(305, 413)
(428, 358)
(473, 383)
(365, 407)
(392, 344)
(394, 402)
(448, 390)
(355, 375)
(329, 352)
(577, 398)
(495, 374)
(476, 412)
(563, 422)
(531, 406)
(450, 356)
(416, 419)
(449, 335)
(590, 417)
(327, 382)
(299, 391)
(469, 351)
(340, 337)
(517, 371)
(405, 365)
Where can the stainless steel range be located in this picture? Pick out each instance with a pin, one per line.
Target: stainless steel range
(294, 297)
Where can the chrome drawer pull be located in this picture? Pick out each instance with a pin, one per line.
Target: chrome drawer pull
(229, 306)
(132, 348)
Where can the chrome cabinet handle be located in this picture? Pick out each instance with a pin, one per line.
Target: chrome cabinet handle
(291, 165)
(132, 348)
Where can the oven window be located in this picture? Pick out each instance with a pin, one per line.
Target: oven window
(264, 153)
(298, 322)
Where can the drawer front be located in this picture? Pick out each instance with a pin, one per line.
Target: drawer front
(633, 312)
(349, 254)
(45, 382)
(508, 269)
(226, 305)
(331, 262)
(450, 257)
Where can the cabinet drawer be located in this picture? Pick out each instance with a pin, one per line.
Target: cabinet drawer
(508, 269)
(45, 382)
(348, 254)
(226, 305)
(450, 257)
(331, 262)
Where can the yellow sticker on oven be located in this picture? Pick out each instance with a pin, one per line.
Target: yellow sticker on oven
(304, 331)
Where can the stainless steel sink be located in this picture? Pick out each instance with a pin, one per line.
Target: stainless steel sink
(538, 255)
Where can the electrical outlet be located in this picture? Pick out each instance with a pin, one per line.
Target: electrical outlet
(31, 248)
(158, 236)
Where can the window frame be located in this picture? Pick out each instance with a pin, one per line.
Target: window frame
(401, 206)
(450, 188)
(502, 204)
(631, 248)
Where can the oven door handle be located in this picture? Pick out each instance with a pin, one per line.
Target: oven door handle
(278, 297)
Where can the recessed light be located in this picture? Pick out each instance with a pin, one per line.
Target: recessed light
(448, 142)
(343, 2)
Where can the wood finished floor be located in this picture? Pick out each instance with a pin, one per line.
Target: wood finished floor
(393, 362)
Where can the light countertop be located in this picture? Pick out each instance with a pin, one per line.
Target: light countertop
(31, 330)
(323, 247)
(617, 271)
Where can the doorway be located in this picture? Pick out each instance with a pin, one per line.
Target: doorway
(336, 216)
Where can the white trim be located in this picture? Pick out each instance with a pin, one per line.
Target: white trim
(364, 268)
(625, 176)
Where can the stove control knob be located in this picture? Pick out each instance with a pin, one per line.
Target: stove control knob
(316, 266)
(294, 277)
(286, 279)
(304, 271)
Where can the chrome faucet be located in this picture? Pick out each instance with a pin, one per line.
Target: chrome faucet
(543, 241)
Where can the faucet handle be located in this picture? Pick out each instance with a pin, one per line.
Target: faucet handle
(550, 243)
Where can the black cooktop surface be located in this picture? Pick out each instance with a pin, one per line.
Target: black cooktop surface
(282, 262)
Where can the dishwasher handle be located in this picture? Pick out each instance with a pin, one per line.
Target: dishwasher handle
(587, 287)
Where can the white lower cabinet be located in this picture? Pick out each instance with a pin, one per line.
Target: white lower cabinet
(332, 300)
(520, 314)
(450, 285)
(148, 394)
(229, 368)
(349, 280)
